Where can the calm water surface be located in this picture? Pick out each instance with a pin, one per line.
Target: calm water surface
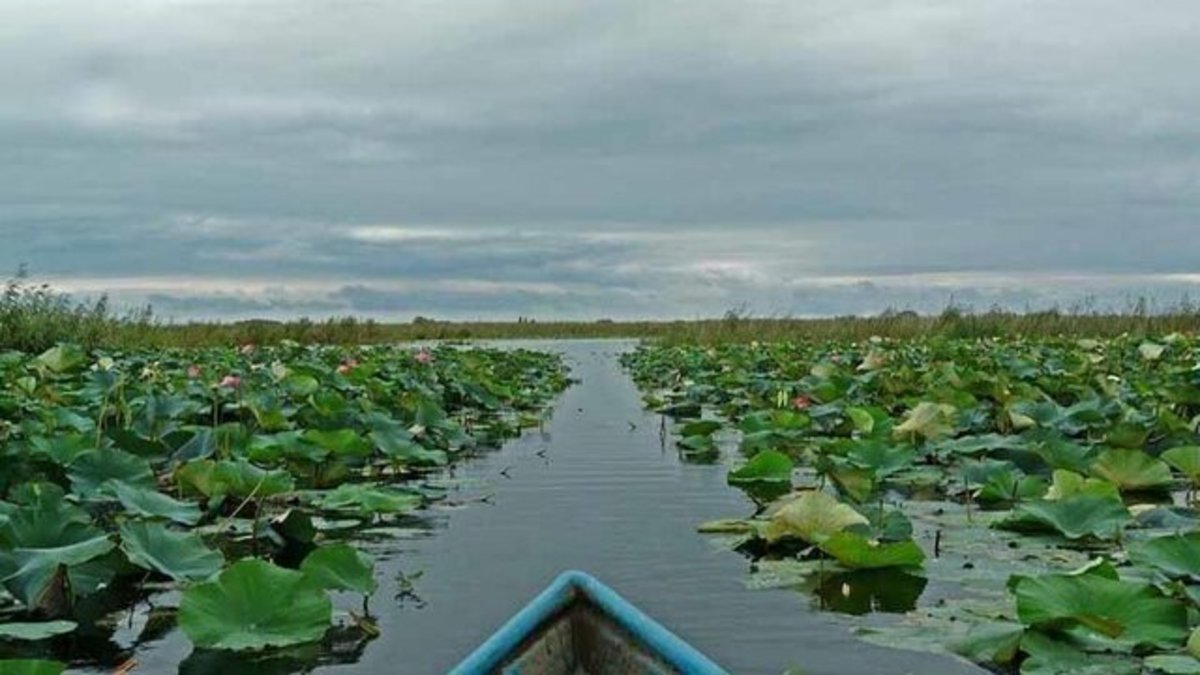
(596, 491)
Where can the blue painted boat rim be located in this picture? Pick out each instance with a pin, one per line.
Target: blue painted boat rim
(663, 643)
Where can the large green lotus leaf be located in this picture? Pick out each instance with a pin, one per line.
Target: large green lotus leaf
(181, 556)
(1186, 460)
(1130, 614)
(233, 478)
(881, 458)
(159, 415)
(812, 516)
(1075, 517)
(274, 448)
(150, 503)
(400, 446)
(855, 551)
(202, 444)
(91, 470)
(930, 421)
(979, 445)
(767, 466)
(341, 442)
(31, 667)
(33, 632)
(1059, 655)
(367, 499)
(44, 519)
(341, 567)
(254, 605)
(1066, 484)
(1176, 555)
(45, 579)
(1060, 452)
(197, 477)
(1127, 435)
(62, 449)
(700, 428)
(1174, 664)
(1009, 485)
(862, 420)
(61, 359)
(1132, 470)
(241, 479)
(698, 445)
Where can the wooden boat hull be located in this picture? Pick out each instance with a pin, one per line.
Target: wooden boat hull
(579, 626)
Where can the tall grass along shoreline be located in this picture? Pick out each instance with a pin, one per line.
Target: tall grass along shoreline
(34, 317)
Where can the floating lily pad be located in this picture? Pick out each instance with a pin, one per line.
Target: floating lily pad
(1074, 518)
(367, 499)
(767, 466)
(33, 632)
(341, 567)
(31, 667)
(855, 551)
(1176, 555)
(255, 605)
(1127, 613)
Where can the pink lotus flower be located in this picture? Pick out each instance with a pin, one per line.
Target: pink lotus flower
(423, 356)
(231, 382)
(248, 348)
(347, 366)
(194, 372)
(801, 402)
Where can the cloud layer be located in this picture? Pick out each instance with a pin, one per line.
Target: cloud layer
(617, 158)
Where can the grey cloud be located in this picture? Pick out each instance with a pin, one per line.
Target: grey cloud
(766, 142)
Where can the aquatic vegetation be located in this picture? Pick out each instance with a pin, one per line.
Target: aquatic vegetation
(1043, 486)
(219, 473)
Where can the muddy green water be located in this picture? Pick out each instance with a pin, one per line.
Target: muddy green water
(597, 491)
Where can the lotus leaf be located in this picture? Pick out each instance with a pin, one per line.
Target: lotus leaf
(812, 516)
(766, 466)
(1176, 555)
(1074, 518)
(401, 447)
(1132, 470)
(30, 667)
(341, 568)
(855, 551)
(368, 499)
(91, 470)
(1186, 460)
(1068, 484)
(930, 421)
(255, 605)
(35, 631)
(154, 504)
(181, 556)
(1174, 664)
(1128, 613)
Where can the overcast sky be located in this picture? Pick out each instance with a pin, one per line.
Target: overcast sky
(619, 158)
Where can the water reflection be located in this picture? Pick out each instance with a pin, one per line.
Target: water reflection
(866, 591)
(342, 645)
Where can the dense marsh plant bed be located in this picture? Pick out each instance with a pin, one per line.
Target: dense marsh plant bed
(1026, 503)
(236, 476)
